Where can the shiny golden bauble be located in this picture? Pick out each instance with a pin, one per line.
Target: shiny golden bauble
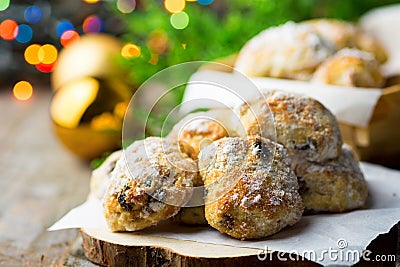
(87, 116)
(93, 55)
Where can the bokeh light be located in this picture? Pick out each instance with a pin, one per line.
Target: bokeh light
(8, 29)
(31, 54)
(91, 1)
(93, 24)
(69, 37)
(24, 33)
(63, 27)
(23, 90)
(130, 50)
(158, 41)
(126, 6)
(33, 14)
(174, 6)
(4, 4)
(179, 20)
(205, 2)
(45, 67)
(153, 59)
(47, 54)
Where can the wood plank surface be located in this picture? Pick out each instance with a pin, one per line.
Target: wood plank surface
(39, 182)
(124, 249)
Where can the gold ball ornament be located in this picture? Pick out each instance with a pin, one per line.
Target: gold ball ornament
(87, 116)
(91, 96)
(93, 55)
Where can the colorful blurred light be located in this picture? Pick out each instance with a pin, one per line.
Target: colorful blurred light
(63, 27)
(153, 59)
(158, 41)
(174, 6)
(130, 51)
(31, 54)
(126, 6)
(23, 90)
(205, 2)
(68, 37)
(4, 4)
(45, 67)
(179, 20)
(8, 29)
(93, 24)
(24, 33)
(33, 14)
(47, 54)
(91, 1)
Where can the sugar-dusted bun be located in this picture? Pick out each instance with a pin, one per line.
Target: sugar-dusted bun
(149, 184)
(199, 129)
(302, 124)
(288, 51)
(193, 132)
(350, 67)
(336, 185)
(251, 188)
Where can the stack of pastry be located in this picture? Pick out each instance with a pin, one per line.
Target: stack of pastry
(322, 50)
(260, 167)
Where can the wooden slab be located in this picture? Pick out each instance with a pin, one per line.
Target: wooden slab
(124, 249)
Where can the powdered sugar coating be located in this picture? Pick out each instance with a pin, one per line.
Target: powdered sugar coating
(303, 125)
(335, 185)
(249, 196)
(148, 185)
(338, 33)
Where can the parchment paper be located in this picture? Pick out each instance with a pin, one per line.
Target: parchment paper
(345, 233)
(213, 89)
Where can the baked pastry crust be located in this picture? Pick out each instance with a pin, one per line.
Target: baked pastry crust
(199, 129)
(336, 185)
(288, 51)
(302, 124)
(149, 184)
(350, 67)
(251, 189)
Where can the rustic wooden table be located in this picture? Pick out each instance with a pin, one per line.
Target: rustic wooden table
(40, 182)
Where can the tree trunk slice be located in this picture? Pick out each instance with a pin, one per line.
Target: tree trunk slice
(125, 249)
